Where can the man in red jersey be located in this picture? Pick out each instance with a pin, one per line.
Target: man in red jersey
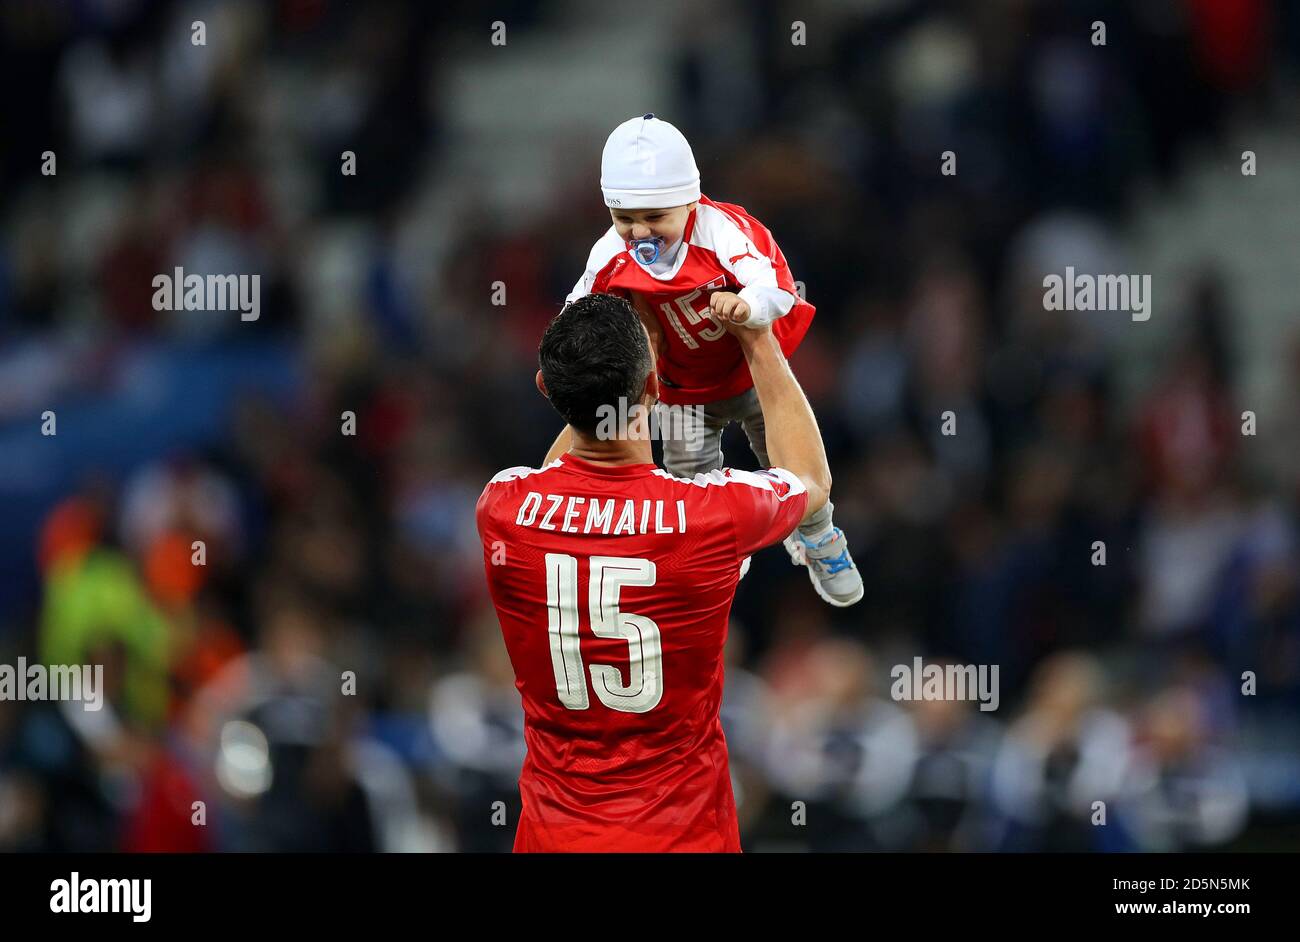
(690, 266)
(613, 582)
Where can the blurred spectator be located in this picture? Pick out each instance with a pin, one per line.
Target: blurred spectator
(1065, 753)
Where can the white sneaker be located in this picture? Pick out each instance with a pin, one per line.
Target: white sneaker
(830, 567)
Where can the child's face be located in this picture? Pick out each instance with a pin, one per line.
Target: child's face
(667, 224)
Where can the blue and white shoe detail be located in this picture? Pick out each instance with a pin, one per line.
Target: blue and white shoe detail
(830, 567)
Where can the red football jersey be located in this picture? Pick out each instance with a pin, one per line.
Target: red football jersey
(613, 586)
(723, 249)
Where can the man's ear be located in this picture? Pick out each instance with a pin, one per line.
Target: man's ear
(651, 387)
(541, 384)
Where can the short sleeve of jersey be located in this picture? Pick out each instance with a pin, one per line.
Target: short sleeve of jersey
(765, 506)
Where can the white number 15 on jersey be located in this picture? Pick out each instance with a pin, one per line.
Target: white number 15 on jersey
(645, 657)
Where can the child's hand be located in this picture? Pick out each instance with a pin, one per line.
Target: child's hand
(728, 308)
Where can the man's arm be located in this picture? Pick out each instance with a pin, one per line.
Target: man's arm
(793, 440)
(652, 327)
(563, 442)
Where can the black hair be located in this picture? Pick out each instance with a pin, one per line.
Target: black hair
(594, 353)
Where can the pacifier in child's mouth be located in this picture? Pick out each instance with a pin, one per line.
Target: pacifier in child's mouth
(647, 251)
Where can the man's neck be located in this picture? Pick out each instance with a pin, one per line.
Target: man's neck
(616, 452)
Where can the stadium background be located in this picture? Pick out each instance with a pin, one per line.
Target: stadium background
(477, 163)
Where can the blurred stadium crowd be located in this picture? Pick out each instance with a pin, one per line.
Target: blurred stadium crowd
(328, 553)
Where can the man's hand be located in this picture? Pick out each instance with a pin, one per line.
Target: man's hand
(728, 308)
(748, 337)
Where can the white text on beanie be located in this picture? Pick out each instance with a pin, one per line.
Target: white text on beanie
(647, 164)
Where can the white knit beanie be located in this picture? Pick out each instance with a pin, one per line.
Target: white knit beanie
(647, 164)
